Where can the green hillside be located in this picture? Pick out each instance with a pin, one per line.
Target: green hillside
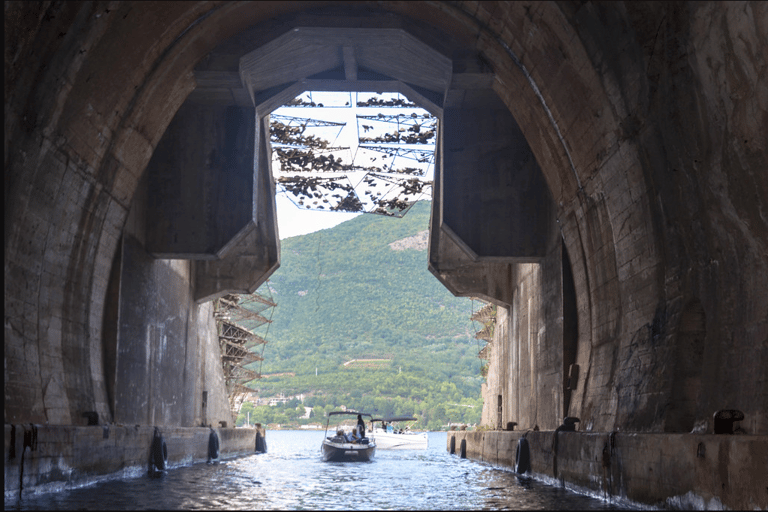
(345, 295)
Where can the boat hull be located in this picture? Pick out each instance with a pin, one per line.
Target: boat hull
(390, 441)
(351, 452)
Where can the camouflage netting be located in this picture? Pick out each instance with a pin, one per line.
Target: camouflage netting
(394, 156)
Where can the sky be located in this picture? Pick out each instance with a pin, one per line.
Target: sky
(292, 220)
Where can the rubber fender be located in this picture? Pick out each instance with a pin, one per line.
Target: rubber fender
(522, 456)
(463, 449)
(261, 443)
(213, 445)
(453, 445)
(159, 452)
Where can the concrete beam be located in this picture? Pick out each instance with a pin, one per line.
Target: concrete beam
(350, 63)
(488, 164)
(474, 251)
(201, 183)
(306, 51)
(211, 199)
(257, 254)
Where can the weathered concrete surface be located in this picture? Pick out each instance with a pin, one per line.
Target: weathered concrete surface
(167, 354)
(475, 252)
(646, 120)
(530, 353)
(491, 167)
(666, 470)
(256, 255)
(43, 458)
(202, 182)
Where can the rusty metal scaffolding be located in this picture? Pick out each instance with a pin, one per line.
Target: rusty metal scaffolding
(485, 353)
(486, 316)
(235, 316)
(486, 333)
(243, 309)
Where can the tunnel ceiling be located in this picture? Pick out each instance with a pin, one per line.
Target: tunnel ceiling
(308, 58)
(251, 69)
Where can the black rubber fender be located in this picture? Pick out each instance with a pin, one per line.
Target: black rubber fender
(213, 445)
(453, 445)
(261, 443)
(463, 449)
(159, 452)
(522, 456)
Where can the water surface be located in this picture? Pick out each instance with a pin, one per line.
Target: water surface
(291, 475)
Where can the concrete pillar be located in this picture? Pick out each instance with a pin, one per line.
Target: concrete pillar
(483, 160)
(202, 183)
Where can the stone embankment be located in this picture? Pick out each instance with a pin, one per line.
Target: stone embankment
(680, 471)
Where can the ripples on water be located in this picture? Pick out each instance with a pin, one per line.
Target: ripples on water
(292, 476)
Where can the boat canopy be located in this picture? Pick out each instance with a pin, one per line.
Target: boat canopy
(395, 418)
(348, 413)
(351, 413)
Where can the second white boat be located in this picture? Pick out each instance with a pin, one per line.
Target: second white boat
(398, 438)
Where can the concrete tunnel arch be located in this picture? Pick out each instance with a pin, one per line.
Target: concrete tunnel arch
(486, 160)
(162, 78)
(542, 122)
(91, 122)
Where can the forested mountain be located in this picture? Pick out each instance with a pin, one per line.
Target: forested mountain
(361, 322)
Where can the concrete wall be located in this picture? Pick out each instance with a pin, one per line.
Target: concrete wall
(680, 471)
(201, 182)
(660, 341)
(163, 353)
(167, 353)
(42, 458)
(528, 361)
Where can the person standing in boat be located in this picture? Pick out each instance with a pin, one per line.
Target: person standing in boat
(360, 427)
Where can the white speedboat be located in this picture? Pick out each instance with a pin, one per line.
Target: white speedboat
(344, 446)
(390, 437)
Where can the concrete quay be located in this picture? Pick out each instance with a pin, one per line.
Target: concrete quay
(671, 471)
(49, 458)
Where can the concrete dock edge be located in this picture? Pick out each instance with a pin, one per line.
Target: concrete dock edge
(686, 471)
(48, 458)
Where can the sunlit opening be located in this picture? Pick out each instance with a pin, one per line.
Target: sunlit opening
(363, 152)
